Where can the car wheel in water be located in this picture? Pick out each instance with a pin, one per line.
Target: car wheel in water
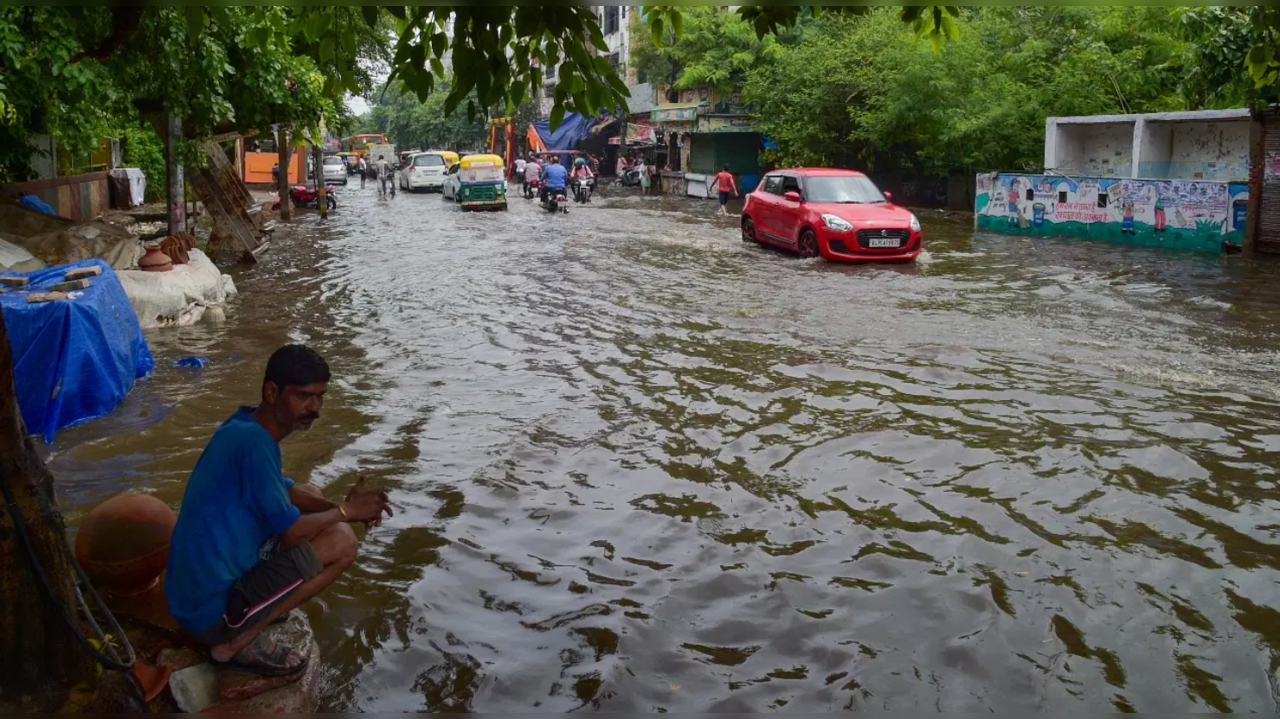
(808, 244)
(748, 230)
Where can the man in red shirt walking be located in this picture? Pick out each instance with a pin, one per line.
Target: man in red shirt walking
(726, 182)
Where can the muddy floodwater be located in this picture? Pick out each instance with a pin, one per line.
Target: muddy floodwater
(639, 465)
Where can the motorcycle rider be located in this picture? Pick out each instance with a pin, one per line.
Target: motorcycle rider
(554, 177)
(582, 171)
(532, 170)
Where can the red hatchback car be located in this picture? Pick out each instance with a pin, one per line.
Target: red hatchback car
(838, 214)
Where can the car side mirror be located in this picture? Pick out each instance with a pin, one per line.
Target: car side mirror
(792, 196)
(888, 196)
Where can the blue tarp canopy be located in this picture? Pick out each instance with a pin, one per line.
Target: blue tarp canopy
(573, 127)
(74, 359)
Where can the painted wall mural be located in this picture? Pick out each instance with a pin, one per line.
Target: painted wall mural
(1162, 213)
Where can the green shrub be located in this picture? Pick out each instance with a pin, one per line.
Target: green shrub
(142, 149)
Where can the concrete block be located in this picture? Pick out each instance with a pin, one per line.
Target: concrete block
(82, 273)
(45, 297)
(14, 281)
(69, 286)
(195, 688)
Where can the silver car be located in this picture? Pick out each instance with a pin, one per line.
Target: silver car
(334, 170)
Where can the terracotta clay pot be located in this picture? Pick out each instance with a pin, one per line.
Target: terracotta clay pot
(175, 247)
(155, 260)
(123, 544)
(152, 679)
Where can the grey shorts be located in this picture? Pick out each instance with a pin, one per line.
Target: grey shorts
(278, 572)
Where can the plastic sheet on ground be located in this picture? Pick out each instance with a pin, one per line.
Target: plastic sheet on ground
(74, 359)
(57, 240)
(18, 259)
(180, 297)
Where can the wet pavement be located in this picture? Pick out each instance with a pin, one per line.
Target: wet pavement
(640, 465)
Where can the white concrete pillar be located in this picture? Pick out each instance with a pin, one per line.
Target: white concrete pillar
(1050, 144)
(1139, 141)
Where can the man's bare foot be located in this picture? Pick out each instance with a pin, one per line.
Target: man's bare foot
(263, 657)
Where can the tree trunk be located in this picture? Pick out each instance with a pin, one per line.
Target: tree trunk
(40, 658)
(177, 191)
(282, 184)
(321, 188)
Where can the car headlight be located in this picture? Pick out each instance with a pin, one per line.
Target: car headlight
(836, 223)
(915, 223)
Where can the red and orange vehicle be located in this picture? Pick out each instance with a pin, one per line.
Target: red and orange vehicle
(839, 215)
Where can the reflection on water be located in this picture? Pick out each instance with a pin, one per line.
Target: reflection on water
(642, 466)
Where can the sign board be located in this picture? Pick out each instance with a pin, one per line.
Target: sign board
(638, 133)
(683, 112)
(725, 123)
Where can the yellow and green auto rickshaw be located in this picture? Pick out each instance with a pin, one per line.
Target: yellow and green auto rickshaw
(482, 183)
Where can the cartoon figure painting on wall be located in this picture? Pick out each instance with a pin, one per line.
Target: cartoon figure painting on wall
(1014, 216)
(1160, 218)
(1126, 225)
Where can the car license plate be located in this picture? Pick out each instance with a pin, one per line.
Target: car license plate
(883, 242)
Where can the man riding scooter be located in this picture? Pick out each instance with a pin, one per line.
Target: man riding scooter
(532, 173)
(583, 180)
(554, 178)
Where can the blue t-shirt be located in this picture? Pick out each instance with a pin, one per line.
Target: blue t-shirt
(237, 499)
(555, 177)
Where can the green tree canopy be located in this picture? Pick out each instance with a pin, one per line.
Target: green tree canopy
(63, 69)
(411, 123)
(863, 91)
(716, 48)
(79, 73)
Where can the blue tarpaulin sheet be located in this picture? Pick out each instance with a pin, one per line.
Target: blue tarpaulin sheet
(573, 128)
(74, 359)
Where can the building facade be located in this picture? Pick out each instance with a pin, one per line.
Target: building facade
(615, 23)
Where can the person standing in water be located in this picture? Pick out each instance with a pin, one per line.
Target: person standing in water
(725, 180)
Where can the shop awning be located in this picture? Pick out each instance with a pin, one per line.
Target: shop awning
(676, 112)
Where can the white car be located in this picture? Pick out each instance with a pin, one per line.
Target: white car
(423, 171)
(334, 170)
(452, 186)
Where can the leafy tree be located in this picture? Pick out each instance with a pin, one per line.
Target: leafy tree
(66, 73)
(1219, 39)
(862, 91)
(427, 125)
(43, 90)
(717, 48)
(803, 98)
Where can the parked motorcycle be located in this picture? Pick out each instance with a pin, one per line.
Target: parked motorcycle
(583, 187)
(557, 200)
(307, 197)
(531, 189)
(631, 177)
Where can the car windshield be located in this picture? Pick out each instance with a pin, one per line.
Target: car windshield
(846, 189)
(428, 161)
(333, 161)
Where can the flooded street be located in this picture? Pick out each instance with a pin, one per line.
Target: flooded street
(639, 465)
